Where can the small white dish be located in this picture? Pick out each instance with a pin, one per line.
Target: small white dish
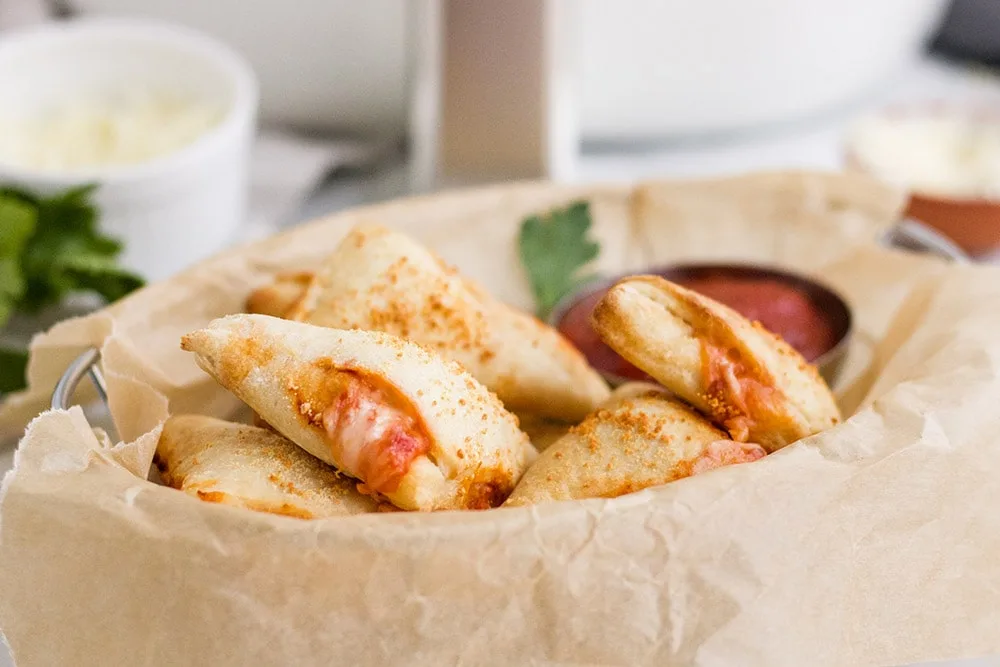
(173, 209)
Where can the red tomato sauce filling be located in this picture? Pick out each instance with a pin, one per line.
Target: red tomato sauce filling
(732, 392)
(724, 453)
(576, 326)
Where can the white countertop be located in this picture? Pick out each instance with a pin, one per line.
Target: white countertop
(813, 143)
(810, 143)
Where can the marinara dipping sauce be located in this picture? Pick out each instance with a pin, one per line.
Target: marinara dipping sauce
(810, 318)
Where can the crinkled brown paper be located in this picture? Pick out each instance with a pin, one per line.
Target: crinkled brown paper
(876, 542)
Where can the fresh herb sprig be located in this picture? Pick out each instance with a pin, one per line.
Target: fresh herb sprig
(555, 247)
(49, 248)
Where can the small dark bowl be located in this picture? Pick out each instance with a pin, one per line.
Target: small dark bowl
(827, 302)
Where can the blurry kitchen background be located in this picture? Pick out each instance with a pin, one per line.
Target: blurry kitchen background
(362, 101)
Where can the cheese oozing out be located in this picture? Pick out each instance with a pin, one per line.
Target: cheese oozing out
(373, 434)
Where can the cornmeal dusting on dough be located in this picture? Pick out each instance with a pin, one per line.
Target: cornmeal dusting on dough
(636, 437)
(421, 298)
(438, 317)
(633, 423)
(286, 486)
(234, 366)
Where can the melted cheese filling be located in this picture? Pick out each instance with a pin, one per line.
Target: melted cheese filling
(374, 437)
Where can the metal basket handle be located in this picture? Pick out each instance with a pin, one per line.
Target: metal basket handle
(910, 234)
(85, 364)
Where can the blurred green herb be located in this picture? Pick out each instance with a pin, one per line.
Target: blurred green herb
(12, 366)
(50, 247)
(554, 248)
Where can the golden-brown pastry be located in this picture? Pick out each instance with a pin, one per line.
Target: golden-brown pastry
(245, 466)
(278, 297)
(412, 426)
(734, 371)
(641, 437)
(381, 280)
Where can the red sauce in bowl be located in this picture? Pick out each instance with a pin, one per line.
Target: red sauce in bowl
(782, 309)
(779, 305)
(575, 325)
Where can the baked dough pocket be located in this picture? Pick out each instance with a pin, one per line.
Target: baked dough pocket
(413, 428)
(730, 369)
(403, 379)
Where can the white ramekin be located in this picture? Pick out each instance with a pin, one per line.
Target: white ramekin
(170, 211)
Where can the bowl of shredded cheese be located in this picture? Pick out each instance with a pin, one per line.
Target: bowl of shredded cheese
(947, 157)
(117, 128)
(159, 117)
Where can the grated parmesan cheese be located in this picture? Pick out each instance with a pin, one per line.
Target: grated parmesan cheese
(935, 154)
(122, 130)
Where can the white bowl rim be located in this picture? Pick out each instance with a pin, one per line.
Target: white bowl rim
(241, 112)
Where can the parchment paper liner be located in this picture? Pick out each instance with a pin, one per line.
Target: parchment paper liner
(872, 543)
